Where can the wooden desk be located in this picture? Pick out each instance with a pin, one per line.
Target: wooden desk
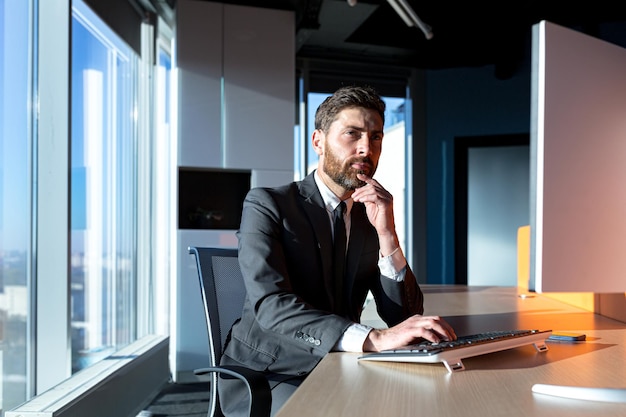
(497, 384)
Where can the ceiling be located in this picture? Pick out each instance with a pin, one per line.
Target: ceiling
(466, 34)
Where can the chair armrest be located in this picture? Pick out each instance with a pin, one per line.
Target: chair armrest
(256, 383)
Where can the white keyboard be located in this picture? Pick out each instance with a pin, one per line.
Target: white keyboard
(452, 353)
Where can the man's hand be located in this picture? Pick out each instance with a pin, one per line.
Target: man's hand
(379, 208)
(432, 328)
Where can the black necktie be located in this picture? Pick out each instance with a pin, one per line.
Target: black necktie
(339, 255)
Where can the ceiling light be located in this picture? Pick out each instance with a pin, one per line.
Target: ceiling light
(406, 12)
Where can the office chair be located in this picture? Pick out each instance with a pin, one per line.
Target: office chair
(223, 293)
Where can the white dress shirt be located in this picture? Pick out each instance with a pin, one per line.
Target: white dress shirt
(392, 266)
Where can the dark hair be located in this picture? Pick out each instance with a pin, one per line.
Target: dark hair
(346, 97)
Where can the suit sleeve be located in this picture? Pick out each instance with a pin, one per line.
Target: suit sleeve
(275, 276)
(398, 300)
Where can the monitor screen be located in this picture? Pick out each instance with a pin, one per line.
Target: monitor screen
(578, 163)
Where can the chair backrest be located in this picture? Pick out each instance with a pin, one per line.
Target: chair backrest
(223, 293)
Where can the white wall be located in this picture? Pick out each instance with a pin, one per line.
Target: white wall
(236, 106)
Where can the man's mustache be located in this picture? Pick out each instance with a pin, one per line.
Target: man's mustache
(365, 160)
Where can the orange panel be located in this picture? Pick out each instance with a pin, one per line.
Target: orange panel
(582, 300)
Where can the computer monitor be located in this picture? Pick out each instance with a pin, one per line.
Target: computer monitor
(578, 163)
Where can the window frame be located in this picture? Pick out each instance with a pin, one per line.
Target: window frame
(52, 357)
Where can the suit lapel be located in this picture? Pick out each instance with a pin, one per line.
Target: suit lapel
(320, 224)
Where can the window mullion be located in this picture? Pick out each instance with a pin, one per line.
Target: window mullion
(52, 323)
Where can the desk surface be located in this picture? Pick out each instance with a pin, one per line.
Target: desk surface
(497, 384)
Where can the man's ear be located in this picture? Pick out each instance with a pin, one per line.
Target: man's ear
(317, 139)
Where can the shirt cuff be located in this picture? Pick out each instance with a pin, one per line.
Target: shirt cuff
(393, 265)
(353, 338)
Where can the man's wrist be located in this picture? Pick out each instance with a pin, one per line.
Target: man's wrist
(393, 252)
(353, 338)
(369, 345)
(388, 244)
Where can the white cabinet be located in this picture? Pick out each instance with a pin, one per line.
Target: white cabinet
(259, 88)
(198, 61)
(236, 81)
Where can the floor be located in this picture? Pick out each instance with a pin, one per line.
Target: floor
(179, 400)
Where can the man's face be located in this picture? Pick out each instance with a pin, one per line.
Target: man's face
(352, 145)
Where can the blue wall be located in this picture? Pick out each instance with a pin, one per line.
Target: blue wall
(463, 102)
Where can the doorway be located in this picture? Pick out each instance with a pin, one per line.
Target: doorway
(491, 202)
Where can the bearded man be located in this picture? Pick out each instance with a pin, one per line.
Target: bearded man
(303, 301)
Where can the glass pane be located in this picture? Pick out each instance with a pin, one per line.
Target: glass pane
(163, 174)
(103, 191)
(15, 190)
(391, 171)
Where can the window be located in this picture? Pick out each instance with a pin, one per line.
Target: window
(163, 180)
(16, 144)
(110, 170)
(104, 185)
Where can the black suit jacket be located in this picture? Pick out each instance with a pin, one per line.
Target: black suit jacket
(285, 252)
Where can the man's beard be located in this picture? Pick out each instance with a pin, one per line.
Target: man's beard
(342, 173)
